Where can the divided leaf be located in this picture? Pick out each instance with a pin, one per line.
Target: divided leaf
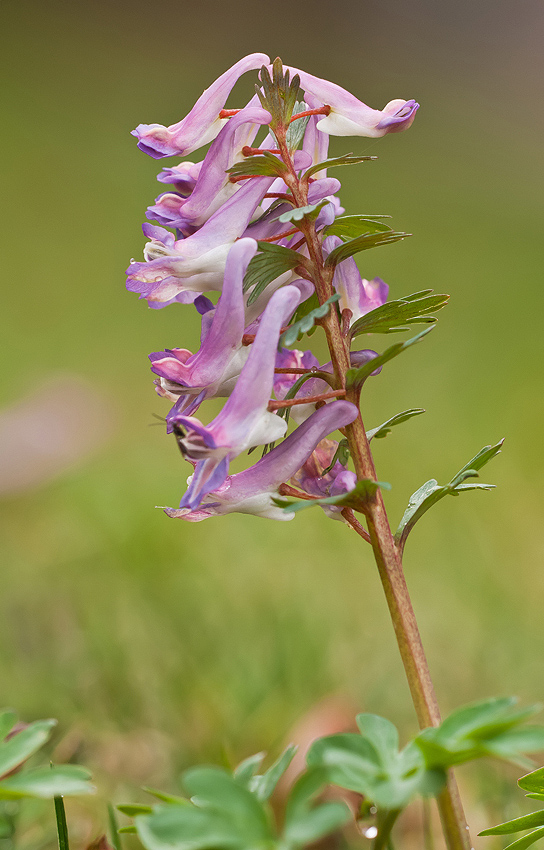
(17, 749)
(357, 377)
(349, 226)
(362, 243)
(396, 316)
(264, 785)
(485, 728)
(431, 492)
(371, 764)
(364, 491)
(259, 165)
(269, 263)
(298, 213)
(346, 159)
(305, 325)
(383, 430)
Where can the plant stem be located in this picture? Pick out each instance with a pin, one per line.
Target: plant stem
(386, 553)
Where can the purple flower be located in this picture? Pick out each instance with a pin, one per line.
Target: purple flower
(196, 263)
(348, 116)
(203, 123)
(245, 420)
(251, 491)
(212, 187)
(183, 177)
(189, 378)
(335, 482)
(356, 294)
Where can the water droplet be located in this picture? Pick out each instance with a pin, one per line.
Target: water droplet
(371, 832)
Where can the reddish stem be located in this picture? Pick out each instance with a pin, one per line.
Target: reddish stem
(283, 235)
(313, 399)
(228, 113)
(249, 151)
(323, 110)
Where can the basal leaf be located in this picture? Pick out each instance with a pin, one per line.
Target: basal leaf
(46, 783)
(23, 744)
(516, 825)
(318, 822)
(263, 786)
(247, 769)
(533, 781)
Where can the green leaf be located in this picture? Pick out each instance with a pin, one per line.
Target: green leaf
(483, 728)
(347, 159)
(213, 787)
(316, 823)
(350, 226)
(263, 786)
(362, 243)
(279, 94)
(364, 490)
(268, 264)
(298, 213)
(371, 764)
(21, 746)
(247, 769)
(526, 841)
(297, 128)
(431, 492)
(341, 455)
(533, 781)
(383, 430)
(258, 165)
(186, 828)
(396, 316)
(303, 326)
(357, 377)
(114, 828)
(8, 719)
(516, 825)
(133, 809)
(45, 783)
(166, 798)
(130, 829)
(62, 826)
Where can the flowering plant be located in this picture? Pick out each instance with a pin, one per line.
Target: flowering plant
(260, 223)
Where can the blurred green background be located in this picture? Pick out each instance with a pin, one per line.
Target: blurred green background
(157, 642)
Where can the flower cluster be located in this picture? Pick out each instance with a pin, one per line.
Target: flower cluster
(256, 222)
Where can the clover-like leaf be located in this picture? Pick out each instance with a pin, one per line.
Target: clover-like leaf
(17, 748)
(371, 764)
(483, 728)
(306, 822)
(396, 316)
(431, 492)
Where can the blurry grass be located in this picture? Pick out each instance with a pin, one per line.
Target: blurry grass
(220, 635)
